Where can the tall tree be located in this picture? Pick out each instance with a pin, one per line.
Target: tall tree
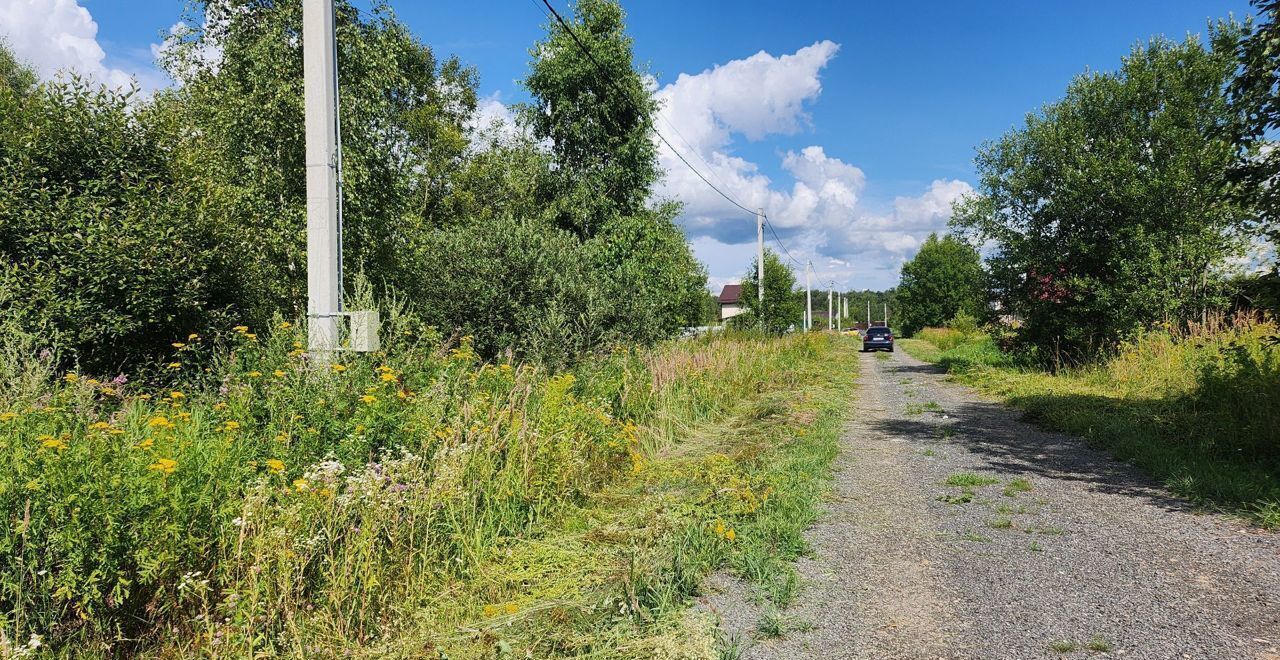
(592, 106)
(1255, 92)
(1111, 208)
(782, 308)
(943, 279)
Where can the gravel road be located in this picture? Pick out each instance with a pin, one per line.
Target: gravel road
(1093, 561)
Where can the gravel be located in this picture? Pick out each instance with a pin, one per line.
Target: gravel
(1093, 561)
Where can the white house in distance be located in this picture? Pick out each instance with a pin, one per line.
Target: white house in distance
(730, 301)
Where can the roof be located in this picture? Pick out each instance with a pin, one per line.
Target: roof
(731, 293)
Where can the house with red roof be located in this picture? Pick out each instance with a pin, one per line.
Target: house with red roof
(730, 301)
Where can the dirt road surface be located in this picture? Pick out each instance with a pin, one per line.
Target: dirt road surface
(1086, 558)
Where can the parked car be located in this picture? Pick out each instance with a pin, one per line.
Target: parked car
(877, 339)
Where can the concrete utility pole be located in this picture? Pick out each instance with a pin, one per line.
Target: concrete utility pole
(808, 296)
(886, 315)
(319, 72)
(868, 313)
(760, 264)
(839, 312)
(831, 293)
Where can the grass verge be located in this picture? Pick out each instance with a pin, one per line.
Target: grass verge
(1198, 410)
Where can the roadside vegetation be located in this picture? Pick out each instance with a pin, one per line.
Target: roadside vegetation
(1197, 407)
(416, 499)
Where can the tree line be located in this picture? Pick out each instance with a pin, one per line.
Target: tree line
(1143, 196)
(129, 222)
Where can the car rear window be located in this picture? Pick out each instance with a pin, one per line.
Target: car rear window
(877, 332)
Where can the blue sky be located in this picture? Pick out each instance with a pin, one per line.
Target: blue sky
(852, 123)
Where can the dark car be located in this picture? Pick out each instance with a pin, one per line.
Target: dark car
(877, 339)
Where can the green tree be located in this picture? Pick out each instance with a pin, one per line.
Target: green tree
(782, 308)
(597, 115)
(235, 122)
(1255, 92)
(1110, 209)
(945, 278)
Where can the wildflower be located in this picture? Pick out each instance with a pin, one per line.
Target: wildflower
(720, 528)
(219, 406)
(255, 374)
(230, 425)
(300, 485)
(383, 369)
(116, 431)
(93, 382)
(369, 399)
(193, 337)
(404, 394)
(8, 416)
(145, 444)
(297, 352)
(730, 535)
(491, 610)
(50, 442)
(387, 377)
(71, 378)
(144, 397)
(164, 465)
(278, 373)
(178, 344)
(282, 438)
(297, 344)
(360, 428)
(99, 426)
(285, 325)
(174, 365)
(176, 395)
(512, 608)
(241, 329)
(184, 416)
(275, 465)
(339, 368)
(251, 336)
(325, 492)
(109, 391)
(160, 421)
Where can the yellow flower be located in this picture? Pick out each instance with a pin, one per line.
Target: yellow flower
(184, 416)
(109, 391)
(99, 426)
(325, 492)
(160, 421)
(93, 381)
(176, 395)
(512, 608)
(255, 374)
(730, 535)
(144, 397)
(369, 399)
(720, 528)
(178, 344)
(285, 325)
(297, 344)
(8, 416)
(275, 465)
(339, 368)
(383, 369)
(50, 442)
(251, 336)
(230, 425)
(387, 377)
(241, 329)
(165, 465)
(281, 437)
(278, 373)
(193, 337)
(404, 394)
(116, 431)
(360, 428)
(71, 378)
(146, 444)
(174, 365)
(300, 485)
(219, 406)
(491, 610)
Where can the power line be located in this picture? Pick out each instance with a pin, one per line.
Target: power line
(778, 240)
(604, 75)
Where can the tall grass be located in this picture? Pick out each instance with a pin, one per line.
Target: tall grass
(251, 497)
(1197, 406)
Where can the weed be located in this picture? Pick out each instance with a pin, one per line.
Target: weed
(969, 480)
(1063, 646)
(1016, 486)
(929, 452)
(1035, 547)
(963, 498)
(1099, 644)
(1000, 523)
(883, 357)
(974, 536)
(772, 625)
(946, 432)
(1050, 531)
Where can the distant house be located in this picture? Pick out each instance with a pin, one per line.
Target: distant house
(730, 301)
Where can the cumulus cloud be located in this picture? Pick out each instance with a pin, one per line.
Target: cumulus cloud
(60, 35)
(820, 214)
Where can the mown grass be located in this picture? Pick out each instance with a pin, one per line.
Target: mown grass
(1198, 409)
(250, 500)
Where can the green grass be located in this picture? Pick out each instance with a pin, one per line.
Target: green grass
(1000, 523)
(969, 480)
(1063, 646)
(1098, 644)
(251, 502)
(1198, 410)
(1016, 486)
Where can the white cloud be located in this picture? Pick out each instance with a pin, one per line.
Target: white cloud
(493, 118)
(821, 215)
(59, 35)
